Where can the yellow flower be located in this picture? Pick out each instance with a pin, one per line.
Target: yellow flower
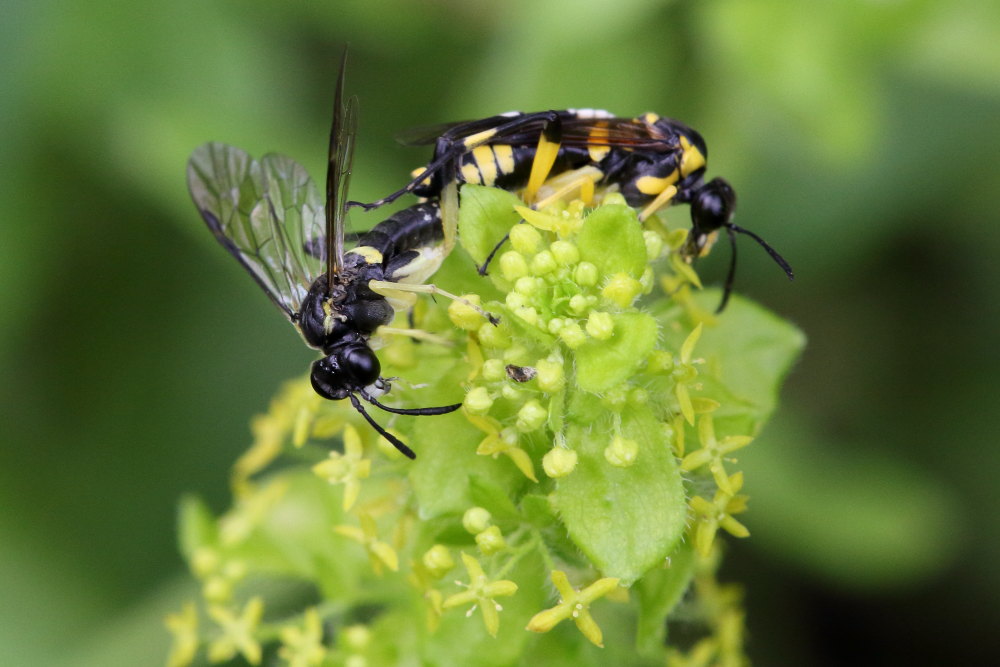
(379, 552)
(502, 441)
(303, 646)
(575, 604)
(481, 591)
(719, 514)
(713, 452)
(347, 468)
(184, 627)
(237, 632)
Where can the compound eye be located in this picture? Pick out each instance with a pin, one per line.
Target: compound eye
(328, 379)
(713, 206)
(361, 364)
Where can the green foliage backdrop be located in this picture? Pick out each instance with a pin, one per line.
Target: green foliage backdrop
(862, 139)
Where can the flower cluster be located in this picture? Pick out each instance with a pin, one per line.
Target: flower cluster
(595, 444)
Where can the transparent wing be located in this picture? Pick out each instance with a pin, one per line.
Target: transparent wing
(340, 158)
(267, 214)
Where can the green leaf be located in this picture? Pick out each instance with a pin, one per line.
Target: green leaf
(627, 252)
(626, 520)
(484, 218)
(486, 493)
(748, 350)
(446, 461)
(658, 592)
(603, 364)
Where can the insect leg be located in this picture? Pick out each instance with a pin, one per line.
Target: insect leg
(662, 199)
(545, 155)
(418, 334)
(565, 185)
(396, 442)
(489, 258)
(390, 290)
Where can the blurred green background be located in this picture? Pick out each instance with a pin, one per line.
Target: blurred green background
(863, 139)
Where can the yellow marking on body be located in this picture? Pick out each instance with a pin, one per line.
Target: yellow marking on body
(504, 155)
(474, 140)
(654, 185)
(691, 159)
(597, 142)
(470, 174)
(427, 261)
(483, 157)
(649, 117)
(370, 254)
(663, 199)
(545, 157)
(420, 170)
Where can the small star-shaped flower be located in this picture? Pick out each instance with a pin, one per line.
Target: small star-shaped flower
(367, 536)
(575, 604)
(502, 441)
(237, 632)
(713, 452)
(347, 468)
(184, 627)
(685, 374)
(719, 514)
(303, 646)
(481, 592)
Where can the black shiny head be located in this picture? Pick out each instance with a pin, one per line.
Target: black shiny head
(712, 208)
(348, 368)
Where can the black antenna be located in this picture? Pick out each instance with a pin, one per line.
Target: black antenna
(416, 412)
(732, 230)
(396, 442)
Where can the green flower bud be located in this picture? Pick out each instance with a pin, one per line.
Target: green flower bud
(525, 239)
(493, 336)
(515, 300)
(551, 376)
(572, 334)
(543, 263)
(493, 370)
(622, 289)
(527, 314)
(478, 401)
(438, 560)
(586, 274)
(559, 462)
(578, 304)
(600, 325)
(526, 285)
(531, 416)
(463, 315)
(621, 452)
(565, 253)
(513, 265)
(490, 541)
(476, 519)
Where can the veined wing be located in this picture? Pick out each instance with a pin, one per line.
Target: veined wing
(266, 213)
(577, 130)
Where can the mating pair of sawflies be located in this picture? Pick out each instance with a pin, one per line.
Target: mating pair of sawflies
(269, 215)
